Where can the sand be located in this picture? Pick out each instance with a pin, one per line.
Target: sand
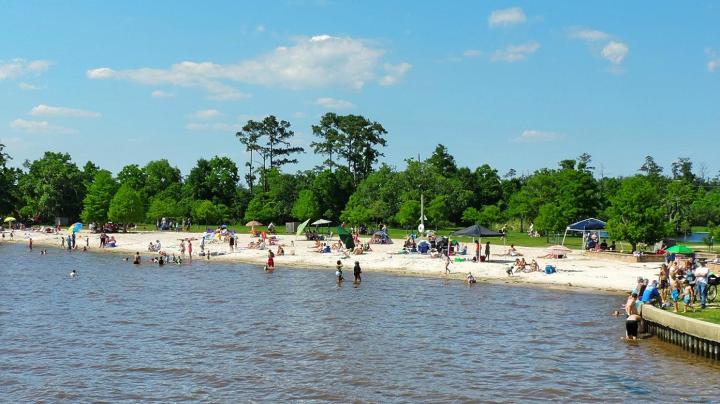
(574, 272)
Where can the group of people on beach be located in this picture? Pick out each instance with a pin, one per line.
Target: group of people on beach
(681, 280)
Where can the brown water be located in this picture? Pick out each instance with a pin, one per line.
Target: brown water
(228, 333)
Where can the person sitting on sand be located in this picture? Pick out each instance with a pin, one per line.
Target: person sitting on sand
(633, 317)
(534, 267)
(358, 250)
(513, 252)
(280, 251)
(151, 247)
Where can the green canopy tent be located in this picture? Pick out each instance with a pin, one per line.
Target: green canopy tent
(346, 238)
(301, 228)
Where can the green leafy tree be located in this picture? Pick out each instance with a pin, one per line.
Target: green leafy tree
(8, 183)
(159, 176)
(678, 199)
(705, 208)
(206, 212)
(490, 215)
(442, 161)
(550, 220)
(650, 167)
(438, 211)
(409, 214)
(636, 213)
(376, 197)
(306, 206)
(89, 171)
(97, 200)
(126, 207)
(164, 207)
(133, 176)
(270, 139)
(352, 138)
(471, 216)
(215, 179)
(52, 186)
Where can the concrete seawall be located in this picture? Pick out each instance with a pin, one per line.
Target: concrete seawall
(699, 337)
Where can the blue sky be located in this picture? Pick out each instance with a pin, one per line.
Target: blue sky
(519, 84)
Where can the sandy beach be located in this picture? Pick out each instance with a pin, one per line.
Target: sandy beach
(574, 272)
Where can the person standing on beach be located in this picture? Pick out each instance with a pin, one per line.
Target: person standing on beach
(62, 242)
(69, 242)
(447, 264)
(190, 248)
(487, 251)
(73, 241)
(357, 271)
(701, 277)
(232, 243)
(182, 247)
(477, 250)
(270, 261)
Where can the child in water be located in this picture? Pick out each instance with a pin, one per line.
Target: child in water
(339, 273)
(270, 262)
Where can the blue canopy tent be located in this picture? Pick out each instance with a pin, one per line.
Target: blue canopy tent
(585, 226)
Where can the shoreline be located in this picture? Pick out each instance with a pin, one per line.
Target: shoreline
(575, 273)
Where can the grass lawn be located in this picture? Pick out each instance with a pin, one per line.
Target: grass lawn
(710, 314)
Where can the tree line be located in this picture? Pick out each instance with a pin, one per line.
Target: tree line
(352, 186)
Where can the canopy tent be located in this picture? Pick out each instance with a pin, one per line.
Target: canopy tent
(476, 231)
(301, 228)
(10, 219)
(320, 222)
(346, 238)
(76, 227)
(584, 227)
(253, 223)
(680, 249)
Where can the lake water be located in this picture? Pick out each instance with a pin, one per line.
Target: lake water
(228, 333)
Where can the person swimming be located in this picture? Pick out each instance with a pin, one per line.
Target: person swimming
(72, 273)
(470, 279)
(136, 260)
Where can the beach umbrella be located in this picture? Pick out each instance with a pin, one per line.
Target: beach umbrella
(679, 249)
(253, 223)
(301, 228)
(557, 250)
(76, 227)
(10, 219)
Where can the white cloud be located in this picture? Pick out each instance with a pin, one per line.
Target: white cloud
(590, 35)
(207, 114)
(506, 17)
(20, 67)
(37, 127)
(46, 110)
(28, 86)
(332, 103)
(213, 127)
(260, 28)
(394, 73)
(299, 114)
(472, 53)
(311, 62)
(161, 94)
(515, 53)
(713, 60)
(537, 136)
(615, 52)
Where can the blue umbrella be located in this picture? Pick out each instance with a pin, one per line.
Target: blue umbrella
(75, 228)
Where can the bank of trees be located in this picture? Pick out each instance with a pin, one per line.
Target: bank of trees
(352, 185)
